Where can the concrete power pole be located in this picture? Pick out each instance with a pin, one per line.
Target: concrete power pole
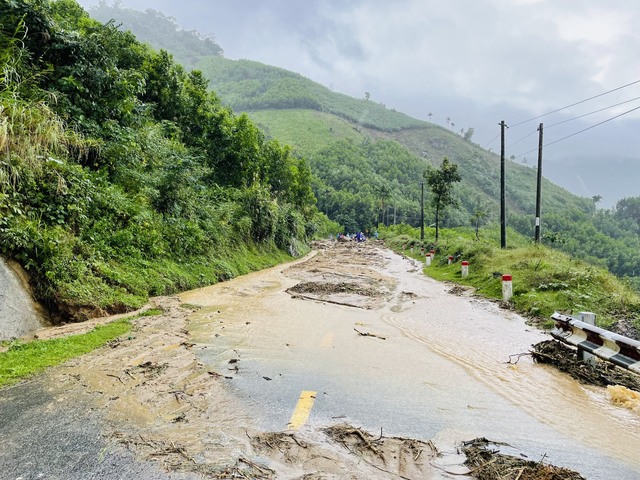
(422, 210)
(539, 186)
(503, 213)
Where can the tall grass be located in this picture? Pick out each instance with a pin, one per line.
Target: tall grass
(30, 131)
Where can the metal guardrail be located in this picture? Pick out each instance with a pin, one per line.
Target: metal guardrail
(617, 349)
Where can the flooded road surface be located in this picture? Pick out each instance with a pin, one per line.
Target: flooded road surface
(19, 315)
(406, 357)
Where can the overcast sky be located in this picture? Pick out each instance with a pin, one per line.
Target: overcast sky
(475, 61)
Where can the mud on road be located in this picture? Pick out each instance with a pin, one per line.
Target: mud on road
(145, 404)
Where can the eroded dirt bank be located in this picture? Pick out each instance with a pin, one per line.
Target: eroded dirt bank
(161, 403)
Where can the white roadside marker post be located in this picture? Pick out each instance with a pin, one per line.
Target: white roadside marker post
(507, 287)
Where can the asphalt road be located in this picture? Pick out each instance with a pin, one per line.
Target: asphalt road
(43, 438)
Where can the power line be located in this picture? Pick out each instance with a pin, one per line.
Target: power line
(591, 113)
(574, 118)
(491, 141)
(583, 130)
(523, 138)
(576, 103)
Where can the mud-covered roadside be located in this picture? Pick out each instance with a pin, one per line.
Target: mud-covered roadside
(147, 397)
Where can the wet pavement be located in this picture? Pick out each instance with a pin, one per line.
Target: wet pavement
(384, 348)
(42, 437)
(436, 366)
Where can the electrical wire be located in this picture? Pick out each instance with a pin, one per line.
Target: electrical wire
(491, 141)
(580, 131)
(523, 138)
(576, 103)
(591, 113)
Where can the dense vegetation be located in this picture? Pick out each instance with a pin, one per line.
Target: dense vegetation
(122, 175)
(157, 29)
(249, 86)
(334, 131)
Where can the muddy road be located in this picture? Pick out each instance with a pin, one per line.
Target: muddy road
(347, 364)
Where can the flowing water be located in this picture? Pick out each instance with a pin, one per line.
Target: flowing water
(439, 367)
(19, 315)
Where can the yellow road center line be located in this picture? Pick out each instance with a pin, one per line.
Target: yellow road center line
(303, 410)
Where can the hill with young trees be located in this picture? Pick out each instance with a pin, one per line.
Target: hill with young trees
(367, 161)
(122, 175)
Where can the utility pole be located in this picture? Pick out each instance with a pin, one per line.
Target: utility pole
(422, 210)
(503, 213)
(539, 186)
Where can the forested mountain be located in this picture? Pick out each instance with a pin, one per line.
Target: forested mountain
(122, 175)
(364, 157)
(157, 29)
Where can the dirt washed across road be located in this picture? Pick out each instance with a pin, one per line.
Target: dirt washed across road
(346, 364)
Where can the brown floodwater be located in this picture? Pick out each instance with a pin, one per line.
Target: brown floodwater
(439, 367)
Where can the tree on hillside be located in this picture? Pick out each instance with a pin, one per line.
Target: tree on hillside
(429, 115)
(468, 134)
(440, 183)
(383, 192)
(628, 209)
(479, 214)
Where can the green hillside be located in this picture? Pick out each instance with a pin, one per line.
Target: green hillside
(246, 85)
(122, 175)
(367, 163)
(308, 130)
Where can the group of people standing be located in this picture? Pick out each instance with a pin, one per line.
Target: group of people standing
(358, 237)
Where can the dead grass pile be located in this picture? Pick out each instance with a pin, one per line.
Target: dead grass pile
(321, 288)
(486, 463)
(564, 358)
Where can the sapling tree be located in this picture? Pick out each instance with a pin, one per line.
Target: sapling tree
(440, 183)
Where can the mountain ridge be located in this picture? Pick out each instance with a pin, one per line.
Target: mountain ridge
(304, 114)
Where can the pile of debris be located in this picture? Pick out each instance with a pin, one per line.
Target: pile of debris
(565, 359)
(487, 463)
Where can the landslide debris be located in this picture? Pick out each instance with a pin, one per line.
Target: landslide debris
(564, 358)
(487, 463)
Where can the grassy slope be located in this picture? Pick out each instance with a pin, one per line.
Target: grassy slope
(544, 280)
(24, 359)
(247, 85)
(309, 116)
(309, 131)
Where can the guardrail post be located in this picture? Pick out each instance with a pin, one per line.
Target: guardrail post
(465, 269)
(590, 318)
(427, 259)
(507, 287)
(450, 259)
(589, 339)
